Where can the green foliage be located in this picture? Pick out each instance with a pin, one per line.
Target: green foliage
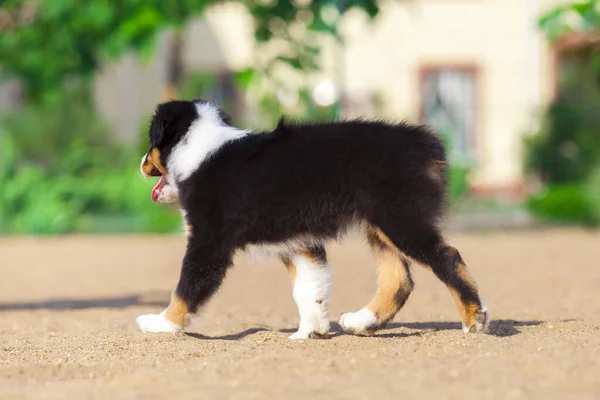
(568, 144)
(36, 202)
(459, 181)
(567, 203)
(319, 16)
(591, 189)
(581, 16)
(273, 19)
(64, 39)
(565, 153)
(458, 174)
(298, 28)
(75, 179)
(58, 133)
(69, 38)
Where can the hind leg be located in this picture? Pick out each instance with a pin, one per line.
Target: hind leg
(452, 270)
(311, 277)
(426, 246)
(394, 286)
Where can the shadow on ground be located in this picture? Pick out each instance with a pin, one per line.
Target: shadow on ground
(159, 299)
(235, 336)
(499, 328)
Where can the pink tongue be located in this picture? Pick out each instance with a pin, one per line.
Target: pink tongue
(157, 189)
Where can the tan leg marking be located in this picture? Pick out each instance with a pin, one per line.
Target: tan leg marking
(177, 311)
(291, 269)
(468, 311)
(387, 255)
(394, 286)
(473, 313)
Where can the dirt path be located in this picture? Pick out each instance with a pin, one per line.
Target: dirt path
(67, 310)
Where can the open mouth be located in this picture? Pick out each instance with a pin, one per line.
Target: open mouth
(158, 189)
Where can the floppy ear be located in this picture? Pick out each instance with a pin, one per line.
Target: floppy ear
(164, 128)
(158, 132)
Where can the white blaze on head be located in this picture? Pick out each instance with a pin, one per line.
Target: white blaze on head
(144, 158)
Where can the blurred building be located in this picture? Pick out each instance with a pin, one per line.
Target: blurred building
(479, 70)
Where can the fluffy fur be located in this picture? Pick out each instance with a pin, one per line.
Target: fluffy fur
(293, 189)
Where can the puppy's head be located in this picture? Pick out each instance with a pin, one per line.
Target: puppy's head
(169, 126)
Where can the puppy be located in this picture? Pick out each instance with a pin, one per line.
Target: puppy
(287, 192)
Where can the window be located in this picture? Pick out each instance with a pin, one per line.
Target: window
(448, 103)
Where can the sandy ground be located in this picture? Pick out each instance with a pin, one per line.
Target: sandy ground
(68, 305)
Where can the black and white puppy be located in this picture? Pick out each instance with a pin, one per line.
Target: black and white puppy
(287, 192)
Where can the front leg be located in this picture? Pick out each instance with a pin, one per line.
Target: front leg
(174, 318)
(202, 273)
(311, 277)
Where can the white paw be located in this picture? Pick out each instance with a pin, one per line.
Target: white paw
(362, 322)
(300, 335)
(308, 330)
(156, 323)
(304, 335)
(481, 322)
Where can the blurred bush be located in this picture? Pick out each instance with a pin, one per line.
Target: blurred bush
(458, 175)
(459, 181)
(565, 153)
(62, 171)
(566, 203)
(591, 190)
(567, 147)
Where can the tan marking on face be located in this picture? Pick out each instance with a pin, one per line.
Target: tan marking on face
(152, 162)
(177, 311)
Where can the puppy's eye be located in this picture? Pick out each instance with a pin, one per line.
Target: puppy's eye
(166, 125)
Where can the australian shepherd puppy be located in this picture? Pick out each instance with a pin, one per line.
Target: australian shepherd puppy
(288, 192)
